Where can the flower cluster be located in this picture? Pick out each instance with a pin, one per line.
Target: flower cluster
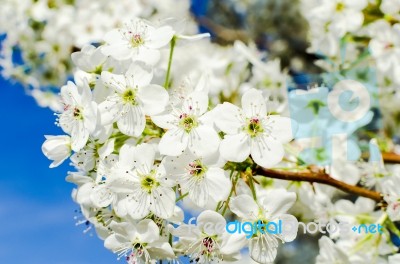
(357, 39)
(160, 123)
(60, 27)
(147, 138)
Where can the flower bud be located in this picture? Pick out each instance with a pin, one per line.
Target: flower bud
(57, 148)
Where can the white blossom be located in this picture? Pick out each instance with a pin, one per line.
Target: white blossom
(79, 117)
(188, 126)
(200, 177)
(57, 148)
(272, 206)
(133, 99)
(137, 40)
(251, 131)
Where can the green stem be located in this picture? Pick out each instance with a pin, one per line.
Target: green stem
(231, 192)
(218, 206)
(181, 197)
(392, 227)
(252, 188)
(170, 239)
(171, 54)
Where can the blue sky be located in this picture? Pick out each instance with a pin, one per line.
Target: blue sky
(36, 210)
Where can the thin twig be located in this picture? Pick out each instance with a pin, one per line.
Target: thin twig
(390, 157)
(227, 34)
(319, 177)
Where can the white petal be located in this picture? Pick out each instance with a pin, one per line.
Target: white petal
(178, 165)
(149, 56)
(283, 128)
(127, 155)
(235, 147)
(196, 102)
(160, 37)
(394, 259)
(202, 83)
(263, 249)
(79, 136)
(186, 231)
(66, 122)
(122, 183)
(144, 155)
(365, 204)
(357, 5)
(253, 103)
(114, 81)
(148, 231)
(83, 194)
(393, 210)
(228, 118)
(292, 225)
(244, 206)
(107, 148)
(161, 250)
(164, 120)
(173, 142)
(110, 109)
(101, 196)
(90, 116)
(178, 216)
(113, 37)
(120, 51)
(140, 74)
(330, 253)
(163, 202)
(154, 98)
(57, 148)
(123, 229)
(277, 202)
(114, 242)
(132, 121)
(139, 206)
(232, 244)
(266, 152)
(211, 222)
(120, 208)
(198, 192)
(70, 95)
(203, 141)
(218, 184)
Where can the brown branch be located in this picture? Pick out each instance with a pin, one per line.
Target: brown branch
(319, 176)
(227, 34)
(390, 157)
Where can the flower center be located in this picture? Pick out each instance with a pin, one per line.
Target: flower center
(209, 250)
(389, 46)
(149, 182)
(129, 97)
(254, 127)
(340, 7)
(197, 169)
(187, 122)
(137, 251)
(208, 243)
(78, 114)
(137, 40)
